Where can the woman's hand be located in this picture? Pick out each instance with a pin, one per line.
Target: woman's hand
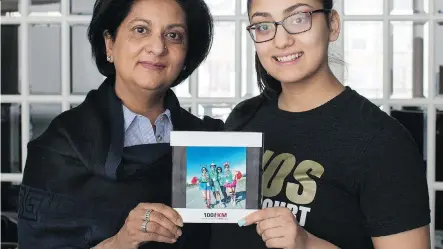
(278, 228)
(163, 225)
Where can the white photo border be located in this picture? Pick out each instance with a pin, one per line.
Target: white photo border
(253, 141)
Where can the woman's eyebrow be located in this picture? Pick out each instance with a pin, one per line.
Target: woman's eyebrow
(176, 25)
(286, 11)
(138, 19)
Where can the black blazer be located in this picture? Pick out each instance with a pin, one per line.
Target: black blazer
(78, 188)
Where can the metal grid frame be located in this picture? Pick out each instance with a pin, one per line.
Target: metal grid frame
(65, 20)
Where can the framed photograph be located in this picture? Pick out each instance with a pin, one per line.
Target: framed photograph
(215, 175)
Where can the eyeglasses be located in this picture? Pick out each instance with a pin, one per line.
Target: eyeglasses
(294, 24)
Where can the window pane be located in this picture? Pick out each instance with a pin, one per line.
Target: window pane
(244, 6)
(221, 7)
(41, 117)
(9, 8)
(44, 59)
(39, 7)
(363, 7)
(11, 149)
(244, 59)
(73, 105)
(410, 48)
(9, 57)
(413, 118)
(439, 57)
(439, 146)
(364, 57)
(84, 73)
(218, 111)
(216, 76)
(10, 193)
(438, 219)
(82, 7)
(187, 108)
(183, 90)
(439, 6)
(409, 7)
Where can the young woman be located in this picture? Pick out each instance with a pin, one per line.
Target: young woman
(229, 183)
(205, 186)
(337, 171)
(222, 187)
(216, 190)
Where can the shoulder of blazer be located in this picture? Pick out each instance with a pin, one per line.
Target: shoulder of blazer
(81, 132)
(192, 123)
(212, 124)
(78, 120)
(244, 112)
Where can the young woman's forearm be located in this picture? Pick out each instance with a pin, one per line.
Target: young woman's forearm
(314, 242)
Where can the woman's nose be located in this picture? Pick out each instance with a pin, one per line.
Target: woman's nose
(156, 46)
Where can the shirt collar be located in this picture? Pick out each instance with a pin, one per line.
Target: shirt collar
(129, 116)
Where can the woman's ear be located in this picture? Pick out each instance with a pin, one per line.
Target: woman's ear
(109, 42)
(334, 26)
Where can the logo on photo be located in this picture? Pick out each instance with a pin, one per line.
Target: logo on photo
(216, 215)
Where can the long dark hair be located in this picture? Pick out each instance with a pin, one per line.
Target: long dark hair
(266, 81)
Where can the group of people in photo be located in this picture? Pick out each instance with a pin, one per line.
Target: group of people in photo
(219, 182)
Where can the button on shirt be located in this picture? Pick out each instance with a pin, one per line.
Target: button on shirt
(139, 130)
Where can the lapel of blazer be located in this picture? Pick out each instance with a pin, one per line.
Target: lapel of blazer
(114, 111)
(91, 128)
(243, 113)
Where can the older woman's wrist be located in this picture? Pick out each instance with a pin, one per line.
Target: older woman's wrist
(110, 243)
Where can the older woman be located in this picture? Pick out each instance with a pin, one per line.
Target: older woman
(100, 175)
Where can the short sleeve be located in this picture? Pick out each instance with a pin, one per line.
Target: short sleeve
(393, 187)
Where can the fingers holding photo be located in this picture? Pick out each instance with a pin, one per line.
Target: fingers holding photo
(265, 214)
(277, 227)
(151, 228)
(148, 222)
(267, 225)
(165, 210)
(156, 222)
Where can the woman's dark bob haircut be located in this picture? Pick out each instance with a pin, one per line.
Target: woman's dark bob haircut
(109, 14)
(264, 80)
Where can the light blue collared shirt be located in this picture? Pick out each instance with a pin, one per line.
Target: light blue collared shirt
(139, 130)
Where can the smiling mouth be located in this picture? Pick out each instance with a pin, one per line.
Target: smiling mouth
(288, 58)
(152, 65)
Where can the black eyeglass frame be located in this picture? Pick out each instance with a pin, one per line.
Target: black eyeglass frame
(250, 27)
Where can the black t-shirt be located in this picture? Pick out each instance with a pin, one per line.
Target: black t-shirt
(347, 170)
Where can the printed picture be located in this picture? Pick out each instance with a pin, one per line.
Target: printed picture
(216, 177)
